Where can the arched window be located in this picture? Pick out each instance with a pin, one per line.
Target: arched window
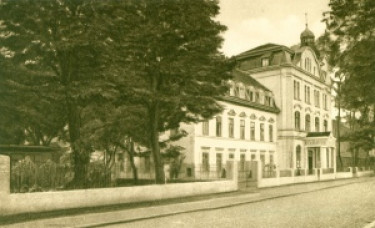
(325, 125)
(317, 124)
(307, 123)
(298, 156)
(297, 120)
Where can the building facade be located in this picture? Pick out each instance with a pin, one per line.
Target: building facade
(301, 85)
(244, 131)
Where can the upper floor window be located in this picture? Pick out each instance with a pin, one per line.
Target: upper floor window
(205, 127)
(257, 97)
(325, 106)
(231, 127)
(265, 62)
(325, 125)
(297, 120)
(317, 98)
(308, 64)
(270, 132)
(248, 94)
(262, 132)
(242, 92)
(242, 129)
(307, 94)
(267, 100)
(307, 123)
(296, 90)
(218, 126)
(237, 90)
(317, 124)
(252, 130)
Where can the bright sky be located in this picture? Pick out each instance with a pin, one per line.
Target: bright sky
(255, 22)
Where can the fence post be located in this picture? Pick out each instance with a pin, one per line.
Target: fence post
(4, 175)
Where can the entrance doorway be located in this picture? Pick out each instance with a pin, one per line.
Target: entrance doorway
(310, 162)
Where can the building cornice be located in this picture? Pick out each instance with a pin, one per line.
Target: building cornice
(245, 103)
(279, 67)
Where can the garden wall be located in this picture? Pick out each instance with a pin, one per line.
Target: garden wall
(47, 201)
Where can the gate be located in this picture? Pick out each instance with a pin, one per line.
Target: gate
(247, 174)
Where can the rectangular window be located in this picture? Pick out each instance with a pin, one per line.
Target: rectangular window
(231, 156)
(242, 162)
(316, 98)
(271, 133)
(242, 129)
(218, 126)
(205, 127)
(257, 97)
(267, 100)
(262, 160)
(262, 132)
(237, 91)
(271, 159)
(242, 92)
(205, 162)
(231, 127)
(307, 94)
(325, 101)
(265, 62)
(219, 162)
(252, 131)
(296, 90)
(327, 158)
(247, 94)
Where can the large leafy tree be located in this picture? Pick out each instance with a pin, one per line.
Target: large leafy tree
(172, 53)
(59, 41)
(350, 25)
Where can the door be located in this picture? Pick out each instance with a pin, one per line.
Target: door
(310, 162)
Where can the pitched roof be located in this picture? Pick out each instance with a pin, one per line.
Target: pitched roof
(246, 79)
(262, 48)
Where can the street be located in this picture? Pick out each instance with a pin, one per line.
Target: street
(346, 206)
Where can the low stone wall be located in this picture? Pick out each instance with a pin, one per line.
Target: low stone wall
(279, 181)
(48, 201)
(365, 173)
(342, 175)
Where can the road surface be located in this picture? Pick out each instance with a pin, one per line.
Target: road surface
(345, 206)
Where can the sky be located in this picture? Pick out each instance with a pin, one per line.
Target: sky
(251, 23)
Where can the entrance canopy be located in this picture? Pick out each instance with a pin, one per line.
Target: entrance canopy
(320, 139)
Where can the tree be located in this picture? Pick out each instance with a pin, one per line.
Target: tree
(172, 52)
(349, 23)
(59, 40)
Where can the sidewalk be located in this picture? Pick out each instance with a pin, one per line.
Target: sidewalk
(211, 202)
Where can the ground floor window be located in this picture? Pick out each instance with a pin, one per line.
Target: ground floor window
(242, 162)
(205, 162)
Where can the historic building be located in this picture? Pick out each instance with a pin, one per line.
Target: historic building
(299, 81)
(244, 131)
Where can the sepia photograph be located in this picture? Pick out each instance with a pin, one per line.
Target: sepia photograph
(187, 113)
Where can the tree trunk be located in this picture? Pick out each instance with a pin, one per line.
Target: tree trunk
(154, 113)
(131, 158)
(338, 128)
(80, 160)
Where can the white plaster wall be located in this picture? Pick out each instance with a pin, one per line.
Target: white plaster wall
(340, 175)
(213, 144)
(47, 201)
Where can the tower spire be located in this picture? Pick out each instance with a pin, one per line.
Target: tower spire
(306, 20)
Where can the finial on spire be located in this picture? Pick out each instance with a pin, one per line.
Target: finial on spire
(306, 20)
